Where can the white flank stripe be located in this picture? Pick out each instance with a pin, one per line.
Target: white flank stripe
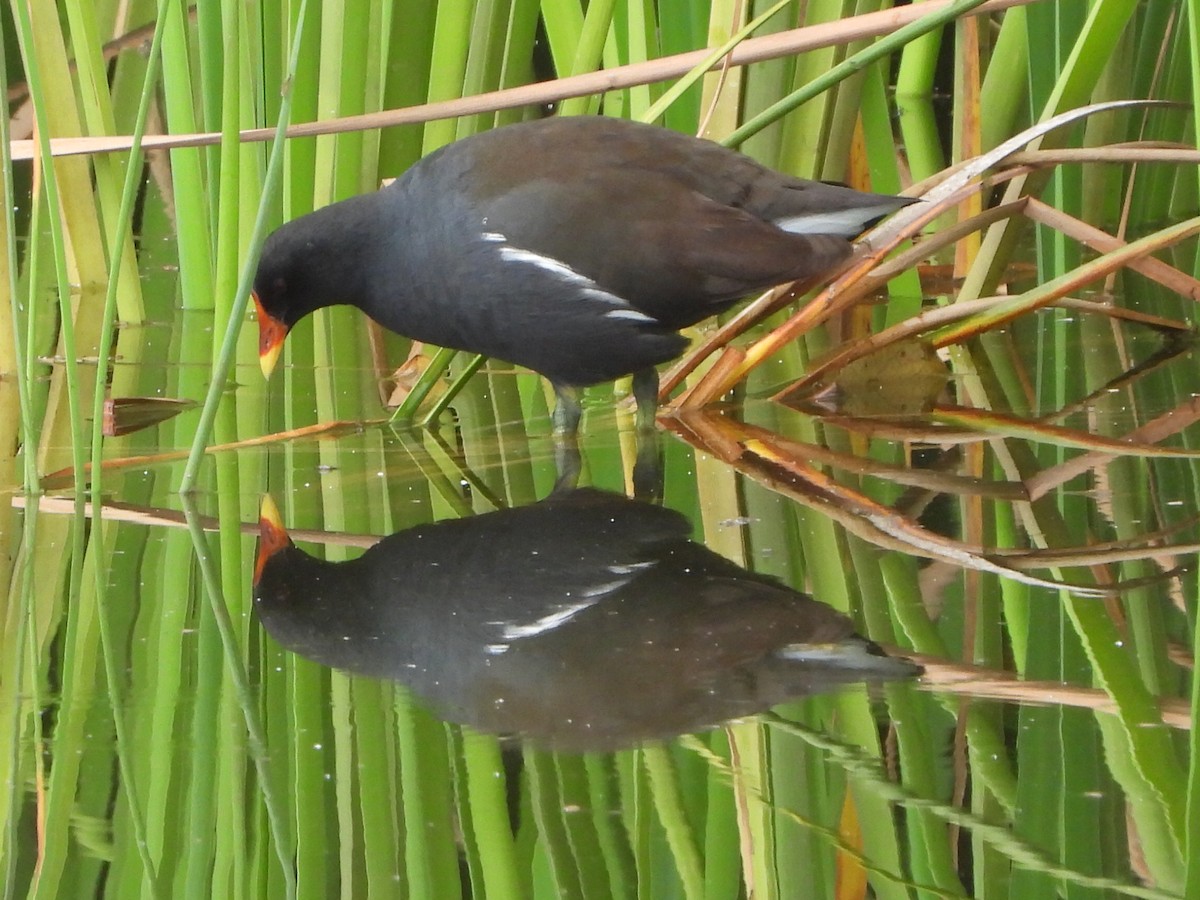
(546, 263)
(547, 622)
(631, 314)
(588, 288)
(597, 294)
(601, 589)
(494, 237)
(630, 568)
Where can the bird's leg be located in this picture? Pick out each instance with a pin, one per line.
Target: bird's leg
(645, 392)
(648, 467)
(568, 463)
(567, 410)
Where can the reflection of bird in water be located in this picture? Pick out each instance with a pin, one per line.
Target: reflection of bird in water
(587, 621)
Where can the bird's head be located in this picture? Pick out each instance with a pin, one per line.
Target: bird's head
(284, 292)
(317, 260)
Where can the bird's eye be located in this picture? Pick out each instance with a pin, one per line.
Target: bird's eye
(279, 285)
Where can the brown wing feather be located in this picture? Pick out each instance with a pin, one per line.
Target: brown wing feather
(678, 268)
(566, 150)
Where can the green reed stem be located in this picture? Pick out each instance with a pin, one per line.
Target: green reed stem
(193, 212)
(562, 21)
(918, 66)
(224, 362)
(247, 700)
(112, 670)
(697, 72)
(129, 194)
(444, 401)
(1002, 96)
(541, 772)
(485, 59)
(67, 323)
(24, 641)
(447, 68)
(1191, 849)
(668, 801)
(589, 48)
(494, 844)
(29, 688)
(865, 768)
(849, 66)
(20, 352)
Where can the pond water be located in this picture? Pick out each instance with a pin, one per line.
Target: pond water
(529, 688)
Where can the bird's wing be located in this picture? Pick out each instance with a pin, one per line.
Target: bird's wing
(682, 257)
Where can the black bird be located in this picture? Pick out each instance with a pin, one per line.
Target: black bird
(587, 621)
(576, 247)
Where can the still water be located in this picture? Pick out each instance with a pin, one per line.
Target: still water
(832, 659)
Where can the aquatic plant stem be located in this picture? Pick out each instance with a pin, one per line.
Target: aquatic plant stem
(659, 108)
(246, 698)
(19, 357)
(224, 362)
(852, 64)
(1191, 848)
(440, 405)
(59, 242)
(112, 670)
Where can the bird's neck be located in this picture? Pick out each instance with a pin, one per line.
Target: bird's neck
(345, 247)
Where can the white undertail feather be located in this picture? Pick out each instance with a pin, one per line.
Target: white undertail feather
(849, 654)
(845, 223)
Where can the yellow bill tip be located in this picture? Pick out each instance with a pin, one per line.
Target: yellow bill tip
(271, 334)
(272, 536)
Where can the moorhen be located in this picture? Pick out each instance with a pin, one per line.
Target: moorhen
(576, 247)
(587, 621)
